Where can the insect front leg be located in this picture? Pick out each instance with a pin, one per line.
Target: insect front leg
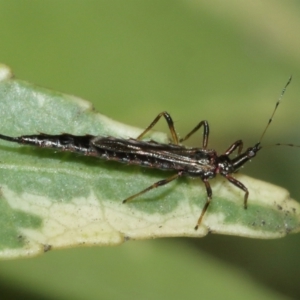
(153, 186)
(170, 124)
(205, 133)
(240, 186)
(238, 144)
(209, 196)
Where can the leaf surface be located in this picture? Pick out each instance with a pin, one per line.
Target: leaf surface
(52, 199)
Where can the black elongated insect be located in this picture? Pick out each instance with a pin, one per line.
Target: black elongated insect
(200, 163)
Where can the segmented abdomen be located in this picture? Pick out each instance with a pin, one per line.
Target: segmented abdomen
(63, 142)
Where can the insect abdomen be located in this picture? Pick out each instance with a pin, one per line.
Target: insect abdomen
(63, 142)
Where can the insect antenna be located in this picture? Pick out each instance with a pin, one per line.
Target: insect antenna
(276, 106)
(271, 119)
(289, 145)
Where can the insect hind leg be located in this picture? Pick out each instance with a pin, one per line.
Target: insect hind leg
(153, 186)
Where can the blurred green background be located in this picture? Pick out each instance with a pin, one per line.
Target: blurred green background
(224, 61)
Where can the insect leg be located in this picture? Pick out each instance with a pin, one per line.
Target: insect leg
(205, 133)
(170, 124)
(209, 196)
(153, 186)
(238, 144)
(240, 186)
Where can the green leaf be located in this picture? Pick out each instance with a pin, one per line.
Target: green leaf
(55, 199)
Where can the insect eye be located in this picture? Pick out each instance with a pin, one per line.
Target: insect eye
(251, 153)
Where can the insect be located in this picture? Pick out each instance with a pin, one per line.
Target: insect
(200, 163)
